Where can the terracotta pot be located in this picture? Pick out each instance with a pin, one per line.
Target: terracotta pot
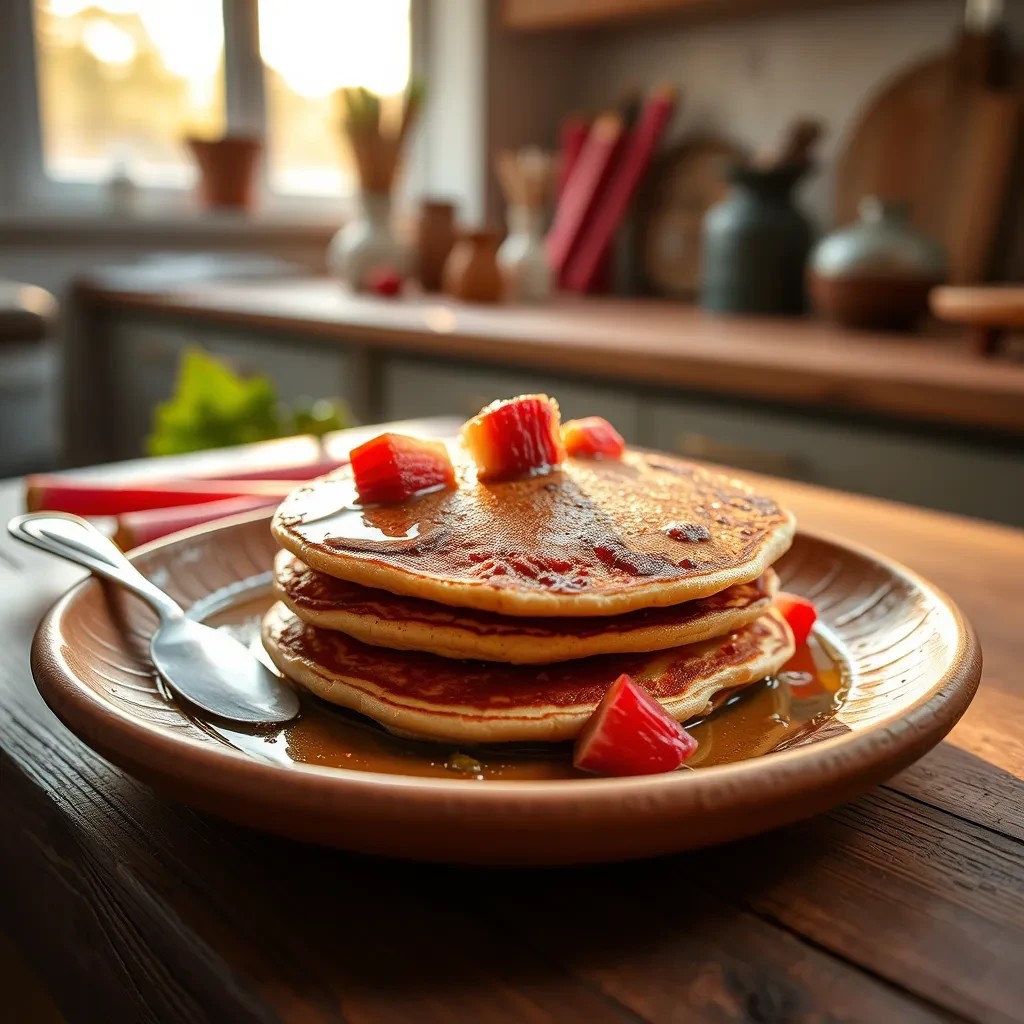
(227, 170)
(435, 236)
(471, 271)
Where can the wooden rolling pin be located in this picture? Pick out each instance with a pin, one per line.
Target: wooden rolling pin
(988, 313)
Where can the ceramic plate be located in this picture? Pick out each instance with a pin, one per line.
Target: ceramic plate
(892, 668)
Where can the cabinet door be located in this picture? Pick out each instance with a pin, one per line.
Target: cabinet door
(298, 369)
(944, 474)
(144, 367)
(146, 354)
(413, 387)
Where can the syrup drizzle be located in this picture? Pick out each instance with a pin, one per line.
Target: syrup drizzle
(774, 712)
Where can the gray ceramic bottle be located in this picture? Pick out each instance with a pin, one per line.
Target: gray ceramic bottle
(755, 244)
(878, 271)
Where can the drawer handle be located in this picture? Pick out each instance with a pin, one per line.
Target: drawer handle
(705, 448)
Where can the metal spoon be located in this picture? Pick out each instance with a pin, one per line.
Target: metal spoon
(204, 665)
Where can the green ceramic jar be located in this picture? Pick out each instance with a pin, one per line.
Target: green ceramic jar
(755, 245)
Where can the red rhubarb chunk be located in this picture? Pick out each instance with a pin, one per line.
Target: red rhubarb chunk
(630, 733)
(515, 438)
(393, 467)
(592, 437)
(799, 613)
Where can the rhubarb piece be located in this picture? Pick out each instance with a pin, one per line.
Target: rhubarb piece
(135, 528)
(799, 613)
(592, 437)
(393, 467)
(515, 437)
(84, 497)
(630, 733)
(385, 282)
(298, 472)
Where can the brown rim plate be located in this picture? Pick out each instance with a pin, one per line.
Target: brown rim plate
(912, 665)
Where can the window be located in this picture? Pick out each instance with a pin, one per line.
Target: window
(310, 49)
(120, 82)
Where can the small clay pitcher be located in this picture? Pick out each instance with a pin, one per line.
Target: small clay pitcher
(435, 236)
(471, 272)
(227, 170)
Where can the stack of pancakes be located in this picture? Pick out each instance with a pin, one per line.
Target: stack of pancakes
(502, 611)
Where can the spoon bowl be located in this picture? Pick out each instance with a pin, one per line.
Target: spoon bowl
(206, 667)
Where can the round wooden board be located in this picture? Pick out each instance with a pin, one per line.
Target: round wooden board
(914, 665)
(684, 184)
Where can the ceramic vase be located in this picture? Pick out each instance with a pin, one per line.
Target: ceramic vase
(435, 236)
(755, 245)
(877, 272)
(471, 272)
(367, 244)
(523, 258)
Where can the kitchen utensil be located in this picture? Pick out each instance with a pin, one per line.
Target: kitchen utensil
(941, 136)
(912, 666)
(796, 147)
(877, 272)
(208, 667)
(987, 312)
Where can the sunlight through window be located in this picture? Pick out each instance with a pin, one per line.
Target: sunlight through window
(125, 80)
(310, 49)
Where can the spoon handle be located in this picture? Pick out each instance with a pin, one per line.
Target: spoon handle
(76, 540)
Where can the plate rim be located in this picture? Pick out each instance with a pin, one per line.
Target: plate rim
(90, 717)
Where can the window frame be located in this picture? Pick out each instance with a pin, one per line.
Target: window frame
(27, 186)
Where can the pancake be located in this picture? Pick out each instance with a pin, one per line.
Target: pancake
(440, 699)
(410, 623)
(595, 537)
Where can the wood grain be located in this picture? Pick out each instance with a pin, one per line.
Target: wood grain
(565, 14)
(903, 906)
(938, 138)
(790, 361)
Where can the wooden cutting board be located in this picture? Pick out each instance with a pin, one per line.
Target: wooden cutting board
(684, 184)
(939, 138)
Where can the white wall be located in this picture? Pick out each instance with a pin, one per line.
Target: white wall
(747, 78)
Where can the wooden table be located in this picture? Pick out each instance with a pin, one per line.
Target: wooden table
(905, 906)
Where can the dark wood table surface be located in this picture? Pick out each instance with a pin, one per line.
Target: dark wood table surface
(905, 906)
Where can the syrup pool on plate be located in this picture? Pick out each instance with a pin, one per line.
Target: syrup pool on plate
(771, 713)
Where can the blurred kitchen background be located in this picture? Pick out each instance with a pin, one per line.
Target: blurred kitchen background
(784, 236)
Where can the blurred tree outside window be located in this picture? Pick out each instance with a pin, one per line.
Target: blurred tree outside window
(125, 80)
(122, 81)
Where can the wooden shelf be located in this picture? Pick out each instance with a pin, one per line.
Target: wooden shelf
(535, 15)
(798, 361)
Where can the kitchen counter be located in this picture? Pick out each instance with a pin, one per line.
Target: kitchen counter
(643, 341)
(920, 420)
(904, 905)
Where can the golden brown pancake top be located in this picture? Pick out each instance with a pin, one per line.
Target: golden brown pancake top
(592, 527)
